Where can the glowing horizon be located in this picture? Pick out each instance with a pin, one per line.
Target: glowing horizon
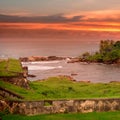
(85, 26)
(61, 15)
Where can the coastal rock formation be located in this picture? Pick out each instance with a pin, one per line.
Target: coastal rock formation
(73, 60)
(40, 58)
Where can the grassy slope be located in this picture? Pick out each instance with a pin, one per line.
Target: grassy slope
(62, 88)
(87, 116)
(10, 67)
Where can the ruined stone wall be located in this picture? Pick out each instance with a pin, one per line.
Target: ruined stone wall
(19, 80)
(4, 93)
(60, 106)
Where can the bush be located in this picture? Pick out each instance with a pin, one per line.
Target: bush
(109, 52)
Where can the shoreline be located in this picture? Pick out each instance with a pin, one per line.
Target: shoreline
(74, 73)
(68, 59)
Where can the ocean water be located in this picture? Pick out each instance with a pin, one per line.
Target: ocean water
(83, 72)
(17, 47)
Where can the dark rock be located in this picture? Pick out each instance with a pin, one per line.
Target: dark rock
(40, 58)
(24, 59)
(55, 58)
(74, 74)
(25, 69)
(52, 58)
(30, 75)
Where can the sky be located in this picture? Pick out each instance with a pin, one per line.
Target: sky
(70, 15)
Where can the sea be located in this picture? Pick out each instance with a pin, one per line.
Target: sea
(72, 47)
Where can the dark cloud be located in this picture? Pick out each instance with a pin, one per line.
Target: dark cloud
(109, 19)
(59, 18)
(42, 19)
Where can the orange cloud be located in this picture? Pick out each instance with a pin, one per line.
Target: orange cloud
(76, 26)
(86, 21)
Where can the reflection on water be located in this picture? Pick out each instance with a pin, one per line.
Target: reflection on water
(83, 71)
(45, 47)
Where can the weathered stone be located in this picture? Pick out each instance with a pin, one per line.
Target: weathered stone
(74, 74)
(19, 80)
(8, 94)
(60, 106)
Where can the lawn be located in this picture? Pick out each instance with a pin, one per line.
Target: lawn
(76, 116)
(56, 87)
(10, 67)
(62, 88)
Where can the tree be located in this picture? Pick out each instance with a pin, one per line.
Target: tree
(117, 45)
(106, 46)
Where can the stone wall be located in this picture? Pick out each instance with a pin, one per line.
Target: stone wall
(60, 106)
(4, 93)
(19, 80)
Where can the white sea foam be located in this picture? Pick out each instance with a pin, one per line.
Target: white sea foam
(34, 67)
(41, 62)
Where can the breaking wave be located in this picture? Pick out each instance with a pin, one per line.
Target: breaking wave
(40, 62)
(34, 67)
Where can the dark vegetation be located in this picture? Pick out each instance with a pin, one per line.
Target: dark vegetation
(109, 52)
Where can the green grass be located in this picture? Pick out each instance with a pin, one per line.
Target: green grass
(14, 65)
(62, 88)
(77, 116)
(3, 64)
(10, 67)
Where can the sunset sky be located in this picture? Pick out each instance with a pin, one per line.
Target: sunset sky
(75, 15)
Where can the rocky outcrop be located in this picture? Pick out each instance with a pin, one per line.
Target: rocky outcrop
(40, 58)
(73, 60)
(60, 106)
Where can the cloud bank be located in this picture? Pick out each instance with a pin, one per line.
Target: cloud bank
(109, 16)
